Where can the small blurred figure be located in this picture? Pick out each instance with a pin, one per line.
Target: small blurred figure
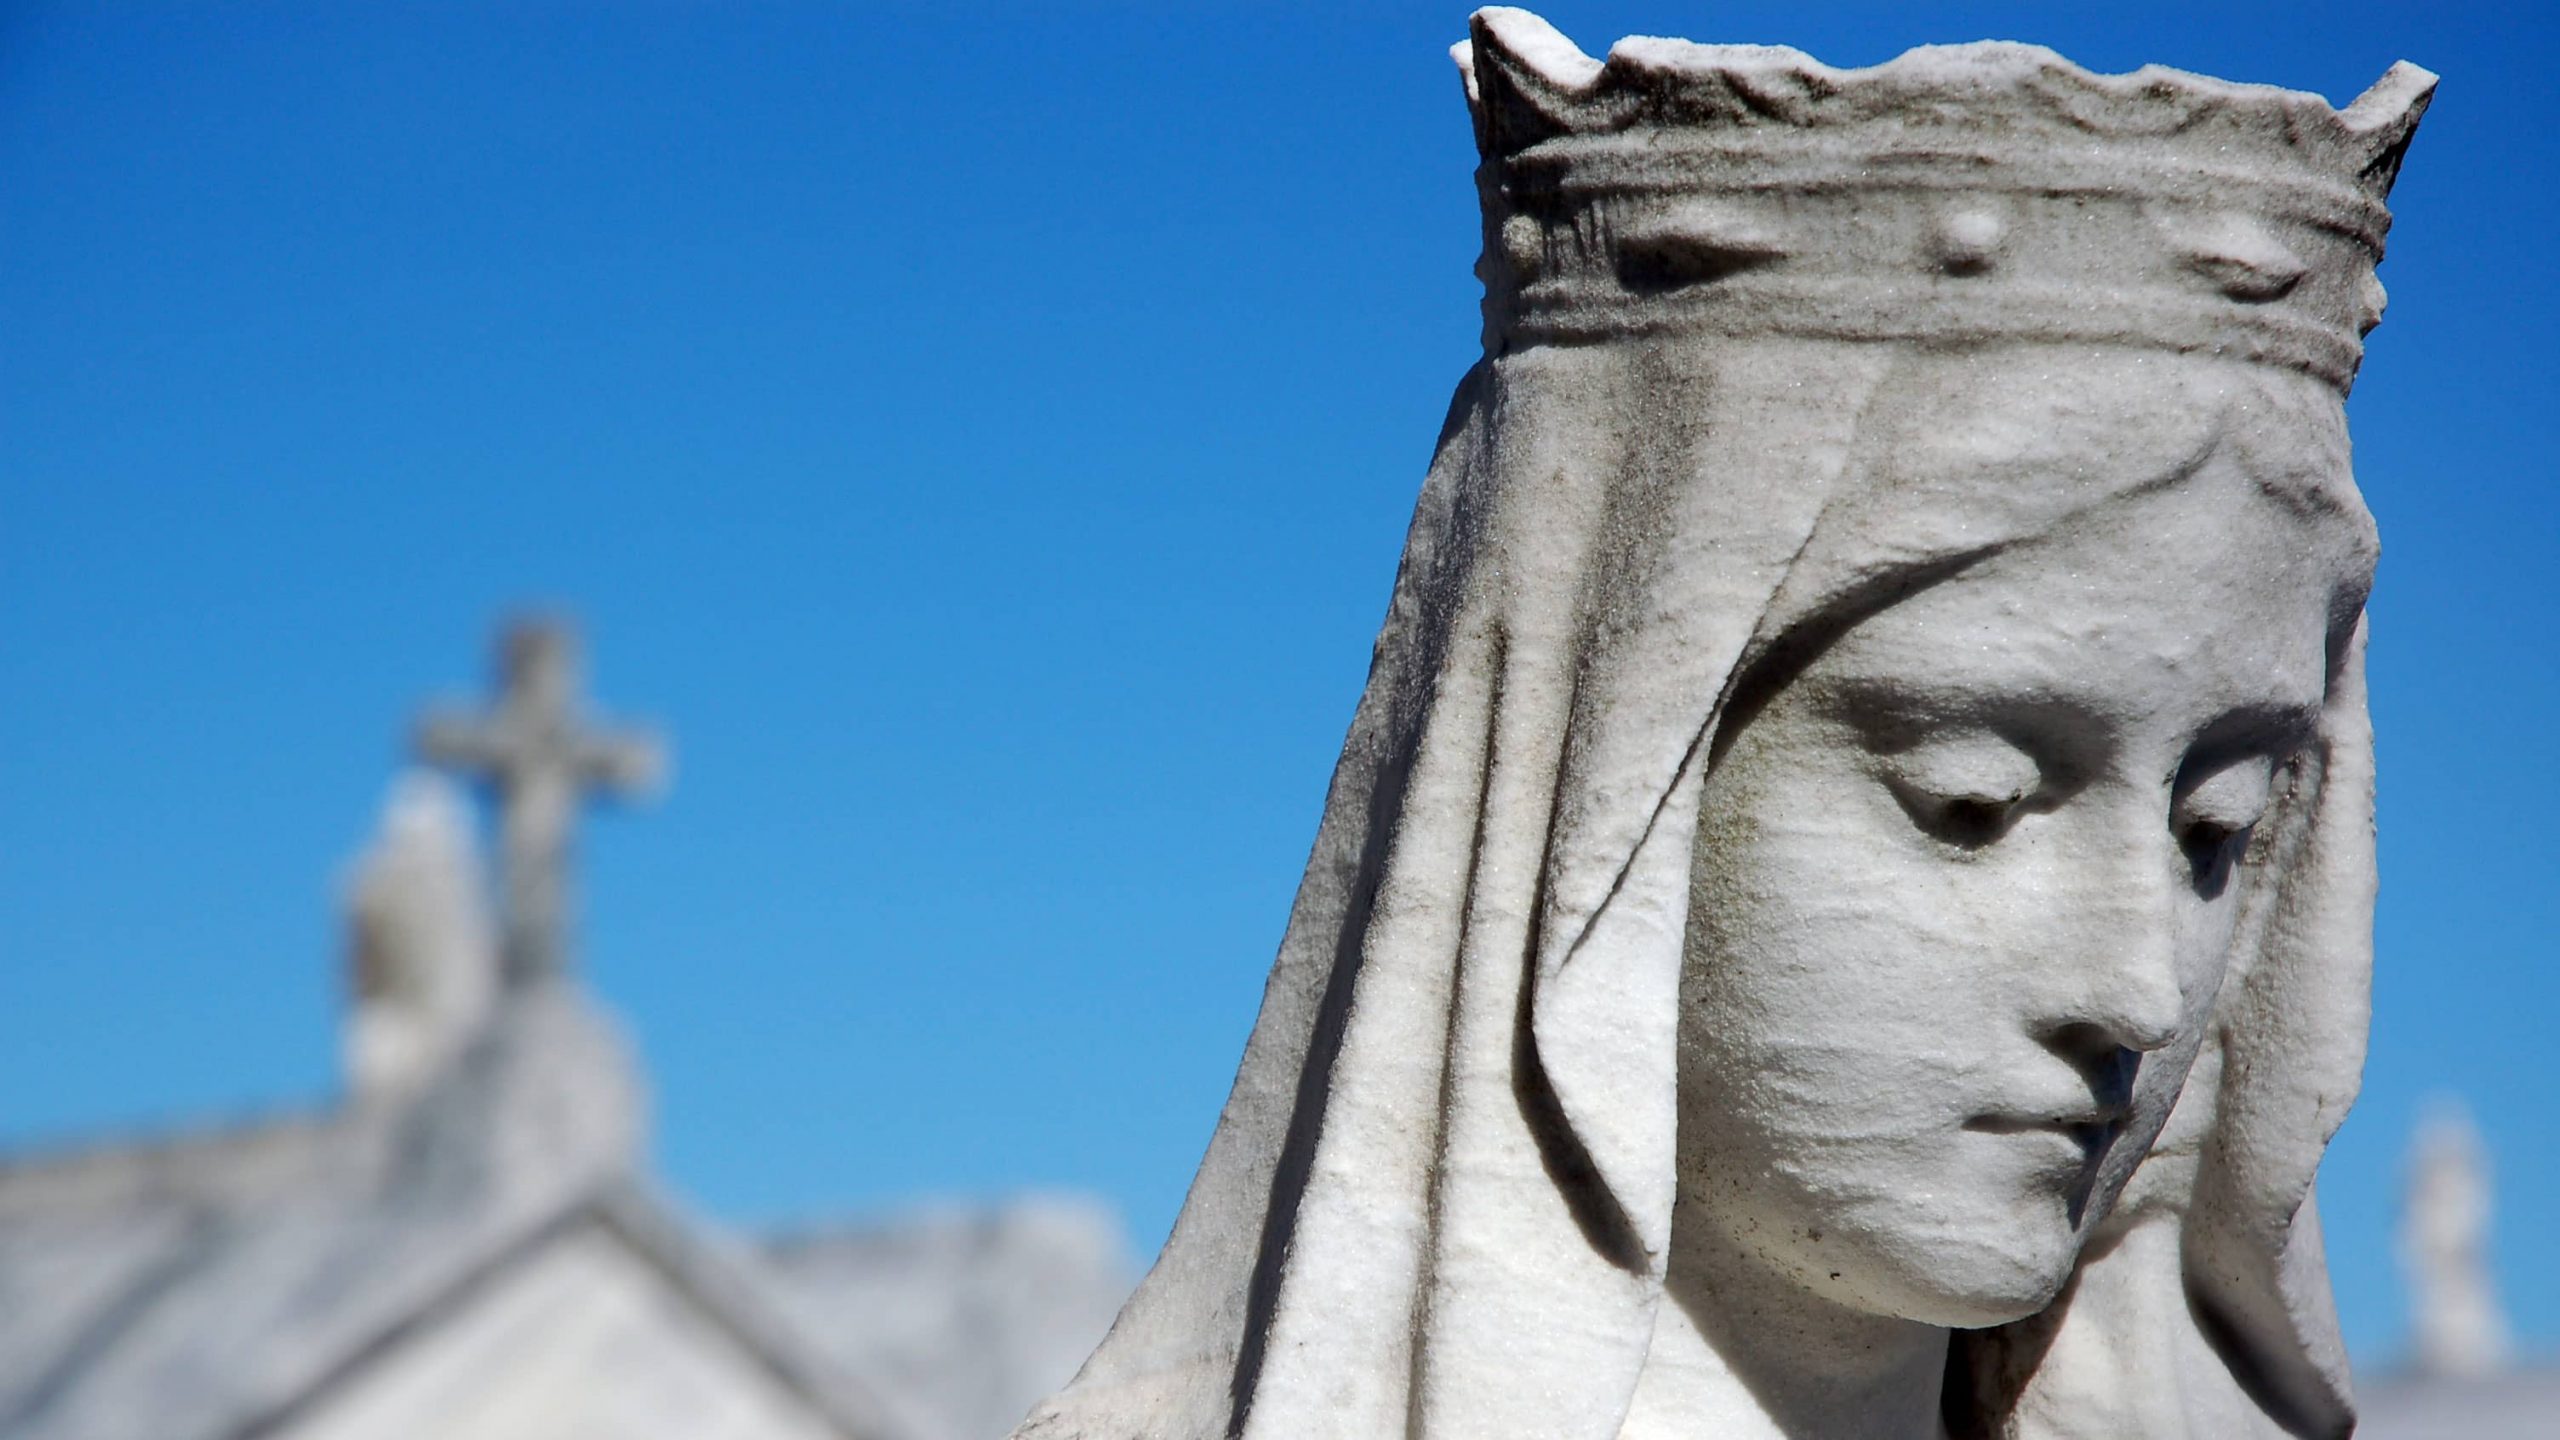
(2462, 1378)
(2459, 1329)
(422, 954)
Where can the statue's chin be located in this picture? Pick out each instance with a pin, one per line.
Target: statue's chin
(2001, 1291)
(2002, 1294)
(1964, 1268)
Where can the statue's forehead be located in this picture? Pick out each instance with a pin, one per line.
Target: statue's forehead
(2036, 436)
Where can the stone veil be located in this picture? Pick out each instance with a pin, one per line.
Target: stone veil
(1771, 346)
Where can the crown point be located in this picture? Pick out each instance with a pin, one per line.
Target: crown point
(1525, 82)
(1530, 43)
(2385, 118)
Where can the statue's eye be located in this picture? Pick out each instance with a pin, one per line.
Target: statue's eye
(1965, 790)
(2213, 816)
(2206, 840)
(1973, 821)
(2210, 850)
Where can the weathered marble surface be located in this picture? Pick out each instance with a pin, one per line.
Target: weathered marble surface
(1846, 906)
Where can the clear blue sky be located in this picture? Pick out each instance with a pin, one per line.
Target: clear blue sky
(983, 438)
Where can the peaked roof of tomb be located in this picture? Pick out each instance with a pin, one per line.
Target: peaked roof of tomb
(2510, 1405)
(971, 1313)
(213, 1286)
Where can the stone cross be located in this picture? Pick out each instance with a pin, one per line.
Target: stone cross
(532, 752)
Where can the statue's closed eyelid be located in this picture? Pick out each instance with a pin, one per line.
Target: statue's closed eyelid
(2228, 777)
(2233, 797)
(1981, 768)
(1965, 790)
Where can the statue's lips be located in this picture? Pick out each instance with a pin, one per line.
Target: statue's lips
(2089, 1128)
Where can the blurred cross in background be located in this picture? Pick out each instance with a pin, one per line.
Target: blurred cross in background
(535, 756)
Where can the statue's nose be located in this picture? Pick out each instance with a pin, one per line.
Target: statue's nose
(2119, 961)
(2132, 998)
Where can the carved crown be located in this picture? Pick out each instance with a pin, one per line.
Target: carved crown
(1955, 195)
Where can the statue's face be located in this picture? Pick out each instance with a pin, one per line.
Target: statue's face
(1965, 890)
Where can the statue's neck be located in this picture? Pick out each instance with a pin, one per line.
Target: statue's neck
(1741, 1352)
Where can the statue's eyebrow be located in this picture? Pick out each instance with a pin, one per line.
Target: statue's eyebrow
(1896, 713)
(2273, 727)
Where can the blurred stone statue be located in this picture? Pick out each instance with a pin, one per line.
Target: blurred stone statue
(421, 951)
(2458, 1327)
(1846, 906)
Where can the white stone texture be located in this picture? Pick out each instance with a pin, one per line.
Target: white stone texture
(1852, 877)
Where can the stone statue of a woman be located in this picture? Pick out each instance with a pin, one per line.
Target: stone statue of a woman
(1845, 909)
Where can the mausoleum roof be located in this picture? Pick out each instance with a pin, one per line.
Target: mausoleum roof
(2514, 1405)
(213, 1287)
